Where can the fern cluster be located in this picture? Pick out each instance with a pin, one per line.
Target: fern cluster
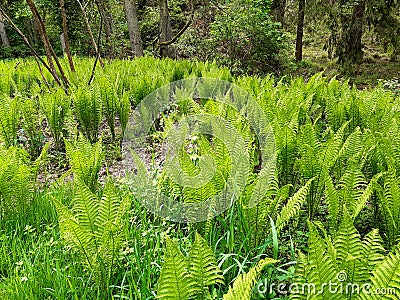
(346, 261)
(94, 227)
(85, 161)
(190, 277)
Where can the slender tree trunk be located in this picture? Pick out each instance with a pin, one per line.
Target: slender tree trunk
(300, 30)
(43, 35)
(90, 33)
(65, 32)
(278, 11)
(133, 26)
(350, 46)
(165, 28)
(26, 41)
(104, 10)
(47, 45)
(3, 33)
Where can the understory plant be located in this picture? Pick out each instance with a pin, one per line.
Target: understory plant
(357, 268)
(88, 108)
(85, 160)
(9, 120)
(57, 108)
(189, 277)
(94, 228)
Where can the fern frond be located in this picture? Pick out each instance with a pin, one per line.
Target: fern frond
(175, 282)
(203, 267)
(293, 206)
(373, 249)
(385, 277)
(243, 285)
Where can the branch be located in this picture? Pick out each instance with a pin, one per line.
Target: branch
(8, 19)
(180, 32)
(98, 42)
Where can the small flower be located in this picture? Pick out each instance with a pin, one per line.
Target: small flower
(24, 278)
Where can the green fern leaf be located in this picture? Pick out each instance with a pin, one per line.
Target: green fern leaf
(175, 282)
(203, 266)
(243, 285)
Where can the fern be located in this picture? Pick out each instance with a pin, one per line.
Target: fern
(243, 286)
(88, 108)
(85, 160)
(123, 109)
(293, 206)
(388, 199)
(9, 120)
(94, 228)
(185, 277)
(203, 267)
(385, 277)
(17, 176)
(57, 109)
(109, 102)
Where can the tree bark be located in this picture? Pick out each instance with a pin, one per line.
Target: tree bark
(3, 33)
(278, 11)
(50, 54)
(133, 26)
(165, 28)
(300, 30)
(65, 32)
(350, 46)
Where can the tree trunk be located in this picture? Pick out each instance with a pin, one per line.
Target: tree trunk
(300, 30)
(165, 28)
(350, 46)
(65, 36)
(89, 28)
(43, 36)
(278, 11)
(133, 26)
(50, 54)
(3, 33)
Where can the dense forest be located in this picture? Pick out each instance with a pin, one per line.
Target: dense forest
(200, 149)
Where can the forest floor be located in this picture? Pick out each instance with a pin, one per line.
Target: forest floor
(375, 67)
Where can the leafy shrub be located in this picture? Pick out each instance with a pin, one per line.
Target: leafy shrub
(247, 40)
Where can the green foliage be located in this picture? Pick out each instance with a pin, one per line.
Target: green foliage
(94, 228)
(85, 160)
(243, 286)
(56, 107)
(32, 118)
(110, 101)
(9, 120)
(16, 180)
(123, 110)
(345, 261)
(246, 39)
(88, 108)
(388, 196)
(183, 277)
